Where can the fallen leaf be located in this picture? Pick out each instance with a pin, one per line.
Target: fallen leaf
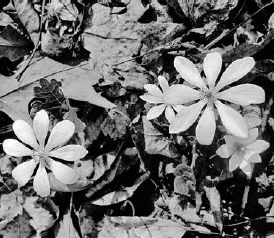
(156, 143)
(66, 228)
(5, 165)
(13, 45)
(145, 227)
(72, 116)
(10, 207)
(41, 213)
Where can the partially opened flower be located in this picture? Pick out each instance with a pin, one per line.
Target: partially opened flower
(41, 154)
(209, 95)
(243, 152)
(157, 96)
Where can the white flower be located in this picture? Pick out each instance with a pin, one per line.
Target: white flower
(210, 94)
(156, 96)
(243, 152)
(41, 153)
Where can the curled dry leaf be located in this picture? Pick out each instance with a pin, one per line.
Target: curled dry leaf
(156, 143)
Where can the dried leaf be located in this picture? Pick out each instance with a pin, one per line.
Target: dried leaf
(156, 143)
(72, 116)
(115, 125)
(125, 227)
(5, 165)
(10, 207)
(252, 115)
(41, 213)
(214, 198)
(13, 45)
(66, 228)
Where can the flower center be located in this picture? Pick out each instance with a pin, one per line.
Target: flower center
(209, 95)
(41, 157)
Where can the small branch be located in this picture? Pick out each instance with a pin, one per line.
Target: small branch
(23, 70)
(235, 27)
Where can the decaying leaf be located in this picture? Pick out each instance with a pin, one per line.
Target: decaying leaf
(72, 116)
(43, 213)
(214, 198)
(252, 115)
(124, 227)
(156, 143)
(13, 45)
(115, 125)
(5, 165)
(66, 228)
(10, 207)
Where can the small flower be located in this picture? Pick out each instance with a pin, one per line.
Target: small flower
(41, 154)
(243, 152)
(209, 95)
(157, 96)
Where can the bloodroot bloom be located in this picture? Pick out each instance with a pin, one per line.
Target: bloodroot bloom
(211, 94)
(41, 154)
(243, 152)
(157, 96)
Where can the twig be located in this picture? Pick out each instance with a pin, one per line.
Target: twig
(18, 77)
(235, 27)
(251, 220)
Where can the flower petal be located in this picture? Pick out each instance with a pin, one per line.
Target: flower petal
(242, 142)
(153, 90)
(225, 151)
(41, 126)
(255, 158)
(232, 120)
(235, 160)
(25, 133)
(178, 108)
(235, 71)
(188, 71)
(23, 172)
(151, 99)
(155, 111)
(186, 117)
(163, 83)
(246, 167)
(41, 182)
(60, 134)
(15, 148)
(180, 94)
(69, 152)
(212, 67)
(63, 173)
(258, 146)
(169, 114)
(244, 94)
(205, 129)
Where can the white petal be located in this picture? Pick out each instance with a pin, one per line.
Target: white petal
(258, 146)
(186, 117)
(225, 151)
(212, 67)
(180, 94)
(23, 172)
(244, 94)
(235, 71)
(235, 160)
(243, 142)
(246, 167)
(63, 173)
(153, 90)
(169, 114)
(178, 108)
(151, 99)
(15, 148)
(41, 182)
(41, 126)
(60, 134)
(155, 111)
(188, 71)
(232, 120)
(163, 83)
(25, 133)
(255, 158)
(205, 129)
(69, 152)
